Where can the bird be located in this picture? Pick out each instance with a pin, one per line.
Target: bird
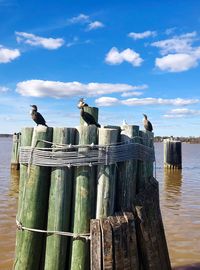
(87, 117)
(82, 103)
(124, 123)
(37, 117)
(147, 124)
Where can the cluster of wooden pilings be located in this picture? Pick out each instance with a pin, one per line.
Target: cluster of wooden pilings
(15, 151)
(172, 154)
(117, 205)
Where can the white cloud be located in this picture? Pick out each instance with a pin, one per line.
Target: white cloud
(8, 55)
(177, 44)
(33, 40)
(176, 62)
(76, 41)
(40, 88)
(135, 93)
(142, 35)
(81, 18)
(95, 25)
(147, 101)
(4, 89)
(170, 31)
(114, 57)
(179, 54)
(181, 113)
(130, 94)
(107, 101)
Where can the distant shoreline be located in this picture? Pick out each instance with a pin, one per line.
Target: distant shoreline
(5, 135)
(189, 139)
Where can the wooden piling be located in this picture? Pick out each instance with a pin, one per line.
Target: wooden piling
(106, 177)
(127, 173)
(83, 202)
(34, 207)
(145, 168)
(15, 151)
(172, 154)
(59, 209)
(26, 139)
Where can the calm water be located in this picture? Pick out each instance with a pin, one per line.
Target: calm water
(179, 198)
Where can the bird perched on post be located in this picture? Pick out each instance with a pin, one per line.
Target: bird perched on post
(87, 117)
(147, 124)
(37, 117)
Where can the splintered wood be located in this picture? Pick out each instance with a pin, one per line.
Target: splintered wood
(131, 240)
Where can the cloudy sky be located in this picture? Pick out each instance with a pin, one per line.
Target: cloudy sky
(126, 57)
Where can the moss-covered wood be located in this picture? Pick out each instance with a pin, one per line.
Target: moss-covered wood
(26, 139)
(15, 151)
(59, 209)
(34, 207)
(84, 199)
(106, 177)
(127, 176)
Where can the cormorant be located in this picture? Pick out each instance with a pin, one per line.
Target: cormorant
(37, 117)
(147, 124)
(87, 117)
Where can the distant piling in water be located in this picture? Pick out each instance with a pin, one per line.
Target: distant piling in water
(15, 151)
(172, 154)
(88, 200)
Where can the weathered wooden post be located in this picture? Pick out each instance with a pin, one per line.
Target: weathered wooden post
(127, 176)
(172, 154)
(26, 139)
(15, 151)
(83, 201)
(34, 205)
(145, 168)
(59, 206)
(106, 177)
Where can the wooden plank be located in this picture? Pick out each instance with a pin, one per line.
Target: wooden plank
(151, 238)
(125, 241)
(117, 243)
(95, 245)
(133, 248)
(107, 245)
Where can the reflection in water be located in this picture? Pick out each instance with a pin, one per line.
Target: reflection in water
(180, 206)
(14, 183)
(172, 187)
(195, 266)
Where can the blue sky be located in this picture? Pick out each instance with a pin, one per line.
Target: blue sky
(125, 57)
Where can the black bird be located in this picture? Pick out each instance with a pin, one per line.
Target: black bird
(87, 117)
(147, 124)
(37, 117)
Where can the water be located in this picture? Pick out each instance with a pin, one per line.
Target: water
(179, 198)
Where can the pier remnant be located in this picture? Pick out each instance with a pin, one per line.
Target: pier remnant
(15, 151)
(172, 154)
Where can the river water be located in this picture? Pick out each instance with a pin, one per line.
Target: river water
(179, 200)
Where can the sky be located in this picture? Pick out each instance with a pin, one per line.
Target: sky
(124, 57)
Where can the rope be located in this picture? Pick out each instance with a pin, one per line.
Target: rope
(81, 155)
(76, 236)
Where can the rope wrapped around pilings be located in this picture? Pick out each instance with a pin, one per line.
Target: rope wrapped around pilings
(85, 155)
